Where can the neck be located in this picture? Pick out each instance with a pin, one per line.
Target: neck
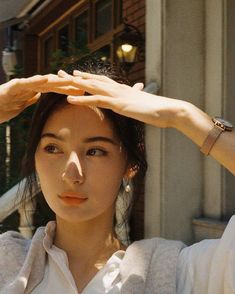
(90, 242)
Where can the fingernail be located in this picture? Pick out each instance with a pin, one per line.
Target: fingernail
(71, 98)
(76, 72)
(61, 72)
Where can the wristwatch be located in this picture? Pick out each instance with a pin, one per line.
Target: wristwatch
(220, 126)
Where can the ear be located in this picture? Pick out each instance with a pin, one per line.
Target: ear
(131, 171)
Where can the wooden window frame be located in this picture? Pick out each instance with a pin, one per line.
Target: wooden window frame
(93, 43)
(62, 25)
(93, 37)
(84, 9)
(43, 69)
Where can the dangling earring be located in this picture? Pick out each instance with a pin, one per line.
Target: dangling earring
(126, 184)
(127, 187)
(122, 210)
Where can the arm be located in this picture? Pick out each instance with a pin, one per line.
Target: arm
(196, 124)
(155, 110)
(17, 94)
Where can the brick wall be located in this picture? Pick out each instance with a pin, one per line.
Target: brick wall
(134, 12)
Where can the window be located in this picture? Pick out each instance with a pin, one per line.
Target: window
(89, 28)
(118, 18)
(48, 49)
(81, 30)
(103, 53)
(63, 39)
(103, 17)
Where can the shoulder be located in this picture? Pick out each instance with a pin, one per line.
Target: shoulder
(198, 264)
(158, 251)
(200, 254)
(11, 241)
(193, 266)
(13, 253)
(201, 250)
(159, 261)
(159, 244)
(14, 247)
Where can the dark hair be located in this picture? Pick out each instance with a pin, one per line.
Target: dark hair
(130, 131)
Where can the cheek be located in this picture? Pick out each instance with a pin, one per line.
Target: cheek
(107, 178)
(47, 171)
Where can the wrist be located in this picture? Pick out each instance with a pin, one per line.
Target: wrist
(193, 122)
(183, 115)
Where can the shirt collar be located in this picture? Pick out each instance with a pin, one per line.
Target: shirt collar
(48, 239)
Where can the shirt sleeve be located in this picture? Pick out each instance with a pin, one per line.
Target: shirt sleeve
(12, 254)
(193, 267)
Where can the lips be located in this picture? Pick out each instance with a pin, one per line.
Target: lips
(72, 195)
(72, 198)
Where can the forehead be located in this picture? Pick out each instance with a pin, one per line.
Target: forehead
(74, 120)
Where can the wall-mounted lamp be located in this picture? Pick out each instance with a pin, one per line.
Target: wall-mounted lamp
(129, 44)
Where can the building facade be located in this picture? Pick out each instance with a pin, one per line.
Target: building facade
(190, 54)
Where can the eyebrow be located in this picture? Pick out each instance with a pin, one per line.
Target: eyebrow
(87, 140)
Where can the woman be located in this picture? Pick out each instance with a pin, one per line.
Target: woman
(84, 159)
(84, 165)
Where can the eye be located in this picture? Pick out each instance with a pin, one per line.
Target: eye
(52, 149)
(96, 152)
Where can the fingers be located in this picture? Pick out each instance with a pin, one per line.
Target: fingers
(31, 82)
(94, 87)
(78, 82)
(138, 86)
(96, 84)
(63, 74)
(66, 90)
(86, 75)
(93, 100)
(32, 100)
(55, 81)
(40, 83)
(61, 85)
(91, 83)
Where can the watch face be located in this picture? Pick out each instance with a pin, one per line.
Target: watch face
(228, 126)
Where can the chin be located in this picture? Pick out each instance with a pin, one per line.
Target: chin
(77, 217)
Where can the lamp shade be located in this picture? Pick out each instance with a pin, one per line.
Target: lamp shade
(126, 53)
(128, 44)
(8, 62)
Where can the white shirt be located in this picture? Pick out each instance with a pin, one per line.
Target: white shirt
(208, 267)
(59, 280)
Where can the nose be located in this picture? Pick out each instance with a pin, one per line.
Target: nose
(73, 172)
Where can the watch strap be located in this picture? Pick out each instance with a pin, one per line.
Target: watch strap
(211, 139)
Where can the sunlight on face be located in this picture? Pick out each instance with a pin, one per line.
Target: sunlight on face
(80, 153)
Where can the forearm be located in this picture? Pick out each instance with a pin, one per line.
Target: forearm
(196, 124)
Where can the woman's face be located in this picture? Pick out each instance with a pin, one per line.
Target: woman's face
(79, 153)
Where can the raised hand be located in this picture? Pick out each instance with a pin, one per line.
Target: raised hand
(17, 94)
(125, 100)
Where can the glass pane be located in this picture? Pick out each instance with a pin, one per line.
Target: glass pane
(118, 12)
(48, 48)
(63, 39)
(81, 30)
(103, 17)
(103, 53)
